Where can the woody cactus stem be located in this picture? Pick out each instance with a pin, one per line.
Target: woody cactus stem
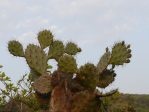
(69, 88)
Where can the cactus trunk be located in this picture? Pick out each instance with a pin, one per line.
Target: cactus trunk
(60, 100)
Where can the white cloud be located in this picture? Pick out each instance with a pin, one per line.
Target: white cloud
(33, 22)
(77, 7)
(34, 8)
(27, 38)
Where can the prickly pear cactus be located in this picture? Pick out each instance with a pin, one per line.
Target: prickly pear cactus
(87, 76)
(43, 84)
(67, 63)
(106, 78)
(56, 50)
(120, 54)
(45, 38)
(43, 88)
(69, 88)
(36, 58)
(72, 49)
(104, 62)
(16, 48)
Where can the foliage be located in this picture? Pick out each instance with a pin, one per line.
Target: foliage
(12, 96)
(140, 102)
(117, 103)
(120, 102)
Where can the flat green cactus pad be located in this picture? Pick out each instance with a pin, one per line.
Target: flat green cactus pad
(120, 54)
(45, 38)
(103, 63)
(36, 58)
(106, 78)
(56, 50)
(34, 75)
(72, 49)
(87, 76)
(15, 48)
(67, 64)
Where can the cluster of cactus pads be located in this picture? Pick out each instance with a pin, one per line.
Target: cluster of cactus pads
(69, 88)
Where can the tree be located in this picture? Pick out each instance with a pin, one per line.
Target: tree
(69, 88)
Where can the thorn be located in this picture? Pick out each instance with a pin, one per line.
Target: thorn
(123, 42)
(107, 49)
(128, 46)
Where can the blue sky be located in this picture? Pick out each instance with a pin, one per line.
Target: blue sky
(92, 24)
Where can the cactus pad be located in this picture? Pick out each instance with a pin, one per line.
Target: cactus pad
(67, 64)
(34, 75)
(106, 78)
(36, 58)
(43, 84)
(120, 54)
(72, 49)
(15, 48)
(103, 63)
(45, 38)
(56, 50)
(87, 76)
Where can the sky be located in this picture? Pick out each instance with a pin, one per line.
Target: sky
(92, 24)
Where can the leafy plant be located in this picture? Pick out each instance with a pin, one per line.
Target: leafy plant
(13, 96)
